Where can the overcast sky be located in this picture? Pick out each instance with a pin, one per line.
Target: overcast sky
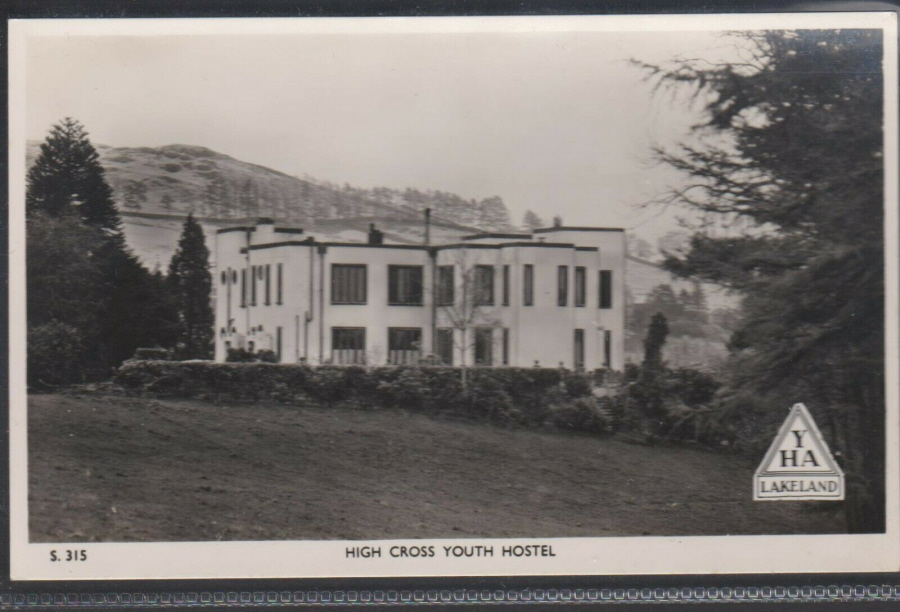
(556, 123)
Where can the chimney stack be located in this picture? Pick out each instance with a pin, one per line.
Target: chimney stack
(375, 236)
(427, 226)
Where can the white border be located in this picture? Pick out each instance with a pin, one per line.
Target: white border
(574, 556)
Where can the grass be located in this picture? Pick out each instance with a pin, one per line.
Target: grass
(108, 468)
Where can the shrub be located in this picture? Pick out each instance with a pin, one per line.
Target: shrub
(488, 398)
(267, 356)
(582, 414)
(152, 354)
(55, 353)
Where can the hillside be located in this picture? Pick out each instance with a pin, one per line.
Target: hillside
(177, 179)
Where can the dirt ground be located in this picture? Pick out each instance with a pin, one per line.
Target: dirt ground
(105, 468)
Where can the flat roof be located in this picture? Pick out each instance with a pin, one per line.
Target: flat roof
(494, 235)
(310, 242)
(570, 228)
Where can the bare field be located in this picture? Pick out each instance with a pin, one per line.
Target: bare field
(106, 468)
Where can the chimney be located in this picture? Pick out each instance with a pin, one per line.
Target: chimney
(375, 236)
(427, 226)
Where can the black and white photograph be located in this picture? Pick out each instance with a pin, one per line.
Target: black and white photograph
(453, 296)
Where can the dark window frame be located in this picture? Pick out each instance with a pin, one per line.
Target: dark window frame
(336, 287)
(253, 285)
(580, 286)
(479, 333)
(393, 285)
(268, 279)
(605, 290)
(506, 284)
(484, 291)
(392, 334)
(278, 343)
(528, 285)
(243, 287)
(447, 334)
(359, 356)
(279, 292)
(562, 285)
(446, 289)
(578, 360)
(607, 349)
(505, 348)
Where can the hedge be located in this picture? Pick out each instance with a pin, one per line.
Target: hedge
(520, 395)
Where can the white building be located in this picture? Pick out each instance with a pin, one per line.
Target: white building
(554, 297)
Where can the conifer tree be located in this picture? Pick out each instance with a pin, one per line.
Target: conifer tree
(191, 286)
(67, 178)
(531, 221)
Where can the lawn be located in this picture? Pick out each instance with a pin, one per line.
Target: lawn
(108, 468)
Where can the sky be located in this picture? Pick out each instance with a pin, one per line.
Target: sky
(558, 123)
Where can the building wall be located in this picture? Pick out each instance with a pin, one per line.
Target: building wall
(543, 332)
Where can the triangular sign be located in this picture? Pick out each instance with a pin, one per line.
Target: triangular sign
(798, 464)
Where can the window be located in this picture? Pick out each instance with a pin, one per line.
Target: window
(243, 288)
(253, 286)
(278, 344)
(562, 277)
(505, 346)
(404, 345)
(348, 284)
(605, 288)
(445, 286)
(348, 345)
(484, 286)
(444, 346)
(506, 285)
(580, 286)
(405, 285)
(268, 284)
(279, 285)
(483, 346)
(579, 349)
(607, 349)
(528, 285)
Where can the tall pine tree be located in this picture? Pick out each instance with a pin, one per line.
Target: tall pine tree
(91, 303)
(67, 178)
(191, 285)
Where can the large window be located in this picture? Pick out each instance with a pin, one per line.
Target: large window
(348, 284)
(506, 285)
(607, 349)
(444, 346)
(348, 345)
(484, 286)
(562, 277)
(606, 296)
(445, 286)
(528, 285)
(579, 349)
(484, 345)
(405, 285)
(580, 286)
(404, 345)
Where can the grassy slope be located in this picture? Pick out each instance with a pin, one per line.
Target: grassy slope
(114, 469)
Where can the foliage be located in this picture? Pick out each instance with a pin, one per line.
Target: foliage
(520, 396)
(80, 275)
(794, 158)
(152, 354)
(190, 282)
(67, 178)
(531, 221)
(653, 343)
(56, 355)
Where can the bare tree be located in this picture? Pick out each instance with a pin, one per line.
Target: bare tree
(470, 306)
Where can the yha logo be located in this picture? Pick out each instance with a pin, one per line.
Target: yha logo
(798, 464)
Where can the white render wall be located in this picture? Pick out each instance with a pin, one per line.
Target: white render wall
(543, 332)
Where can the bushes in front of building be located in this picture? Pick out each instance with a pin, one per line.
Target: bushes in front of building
(520, 396)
